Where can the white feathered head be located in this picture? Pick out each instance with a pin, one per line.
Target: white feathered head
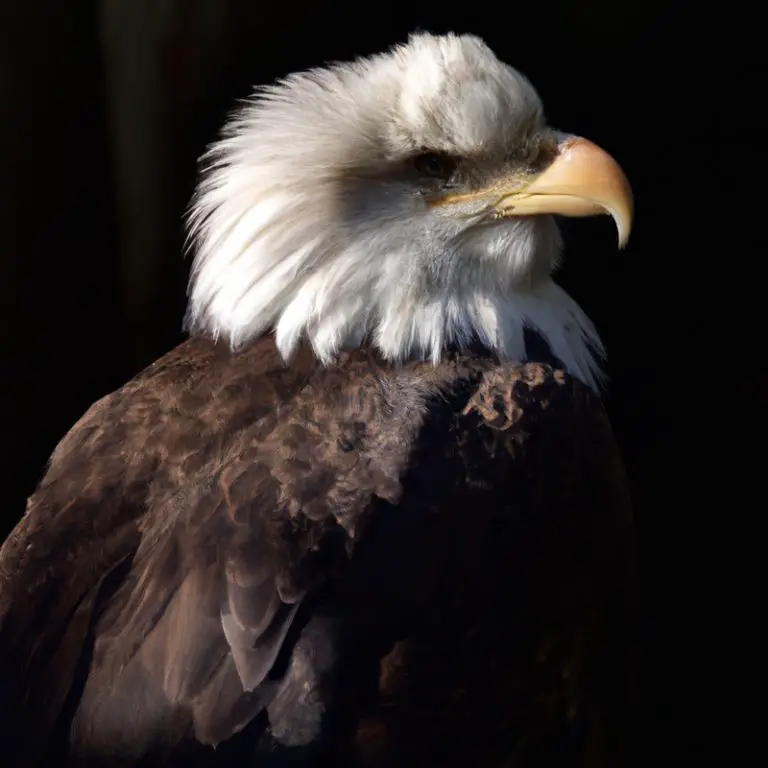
(406, 198)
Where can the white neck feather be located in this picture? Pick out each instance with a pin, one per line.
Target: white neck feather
(295, 232)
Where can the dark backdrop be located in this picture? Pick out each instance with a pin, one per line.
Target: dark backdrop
(106, 106)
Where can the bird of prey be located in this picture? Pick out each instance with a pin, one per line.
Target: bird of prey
(371, 512)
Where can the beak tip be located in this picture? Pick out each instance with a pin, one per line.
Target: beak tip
(622, 218)
(623, 237)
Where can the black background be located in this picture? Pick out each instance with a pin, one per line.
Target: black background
(662, 86)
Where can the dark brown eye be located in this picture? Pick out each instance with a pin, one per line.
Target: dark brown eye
(435, 164)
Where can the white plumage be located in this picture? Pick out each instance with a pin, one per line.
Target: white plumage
(310, 221)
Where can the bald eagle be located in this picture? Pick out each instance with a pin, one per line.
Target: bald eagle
(371, 512)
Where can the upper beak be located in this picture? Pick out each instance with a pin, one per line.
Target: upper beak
(583, 180)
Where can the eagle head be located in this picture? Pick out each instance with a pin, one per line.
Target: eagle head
(406, 198)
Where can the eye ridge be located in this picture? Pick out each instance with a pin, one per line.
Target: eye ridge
(435, 164)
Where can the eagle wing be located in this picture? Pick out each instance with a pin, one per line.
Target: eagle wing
(178, 528)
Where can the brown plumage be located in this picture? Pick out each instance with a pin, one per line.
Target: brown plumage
(412, 565)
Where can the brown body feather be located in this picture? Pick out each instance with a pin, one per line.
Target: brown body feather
(372, 565)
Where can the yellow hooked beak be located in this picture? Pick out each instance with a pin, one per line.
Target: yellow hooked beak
(583, 180)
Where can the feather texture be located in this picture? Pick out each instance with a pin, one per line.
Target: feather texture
(227, 546)
(308, 222)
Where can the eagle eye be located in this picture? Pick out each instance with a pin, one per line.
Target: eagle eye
(435, 164)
